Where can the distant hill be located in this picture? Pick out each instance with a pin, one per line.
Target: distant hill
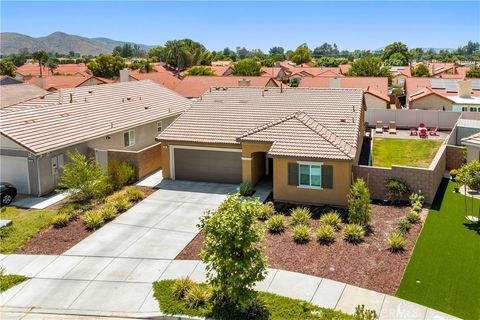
(11, 42)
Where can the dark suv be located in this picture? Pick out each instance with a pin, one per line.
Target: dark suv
(7, 193)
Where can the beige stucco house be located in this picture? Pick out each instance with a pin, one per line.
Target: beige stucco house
(305, 140)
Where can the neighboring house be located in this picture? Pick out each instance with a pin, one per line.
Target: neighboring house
(196, 86)
(7, 80)
(119, 120)
(443, 94)
(305, 140)
(277, 73)
(400, 74)
(31, 70)
(220, 63)
(473, 147)
(375, 88)
(166, 79)
(54, 83)
(16, 93)
(298, 73)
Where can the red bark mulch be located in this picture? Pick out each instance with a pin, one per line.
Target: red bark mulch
(368, 265)
(58, 240)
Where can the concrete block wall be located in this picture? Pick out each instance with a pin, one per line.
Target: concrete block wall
(146, 161)
(426, 180)
(455, 157)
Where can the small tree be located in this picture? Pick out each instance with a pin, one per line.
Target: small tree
(247, 67)
(473, 72)
(358, 199)
(421, 71)
(397, 190)
(85, 179)
(231, 250)
(469, 175)
(7, 68)
(200, 71)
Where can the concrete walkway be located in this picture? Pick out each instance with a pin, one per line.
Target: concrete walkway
(29, 202)
(122, 287)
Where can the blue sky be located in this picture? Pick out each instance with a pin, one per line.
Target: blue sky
(352, 25)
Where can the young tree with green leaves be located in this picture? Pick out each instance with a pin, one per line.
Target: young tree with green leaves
(393, 48)
(301, 55)
(473, 72)
(235, 261)
(52, 64)
(247, 67)
(369, 67)
(397, 59)
(359, 200)
(7, 68)
(82, 178)
(200, 71)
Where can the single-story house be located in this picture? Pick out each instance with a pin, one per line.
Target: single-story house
(375, 88)
(196, 86)
(473, 147)
(16, 93)
(305, 140)
(166, 79)
(400, 74)
(443, 94)
(119, 120)
(32, 70)
(57, 82)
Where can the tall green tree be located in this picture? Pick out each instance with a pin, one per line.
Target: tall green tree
(397, 59)
(473, 72)
(41, 57)
(157, 53)
(393, 48)
(247, 67)
(369, 67)
(52, 64)
(330, 62)
(421, 70)
(107, 66)
(231, 250)
(301, 55)
(7, 68)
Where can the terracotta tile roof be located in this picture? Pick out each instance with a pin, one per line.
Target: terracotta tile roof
(165, 79)
(222, 63)
(42, 125)
(52, 83)
(310, 138)
(195, 86)
(460, 73)
(401, 71)
(417, 88)
(316, 72)
(32, 69)
(272, 72)
(377, 86)
(16, 93)
(291, 117)
(344, 68)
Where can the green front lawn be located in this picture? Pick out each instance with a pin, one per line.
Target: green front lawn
(444, 270)
(25, 225)
(404, 152)
(279, 307)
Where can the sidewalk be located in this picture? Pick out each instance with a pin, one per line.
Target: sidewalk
(121, 287)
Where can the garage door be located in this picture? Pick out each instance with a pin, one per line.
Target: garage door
(15, 171)
(208, 165)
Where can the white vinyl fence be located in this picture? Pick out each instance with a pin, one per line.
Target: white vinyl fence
(444, 120)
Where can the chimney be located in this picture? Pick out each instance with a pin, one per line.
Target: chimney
(244, 83)
(40, 82)
(335, 83)
(433, 69)
(124, 75)
(464, 88)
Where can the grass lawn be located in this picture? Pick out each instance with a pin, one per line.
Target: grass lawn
(444, 271)
(404, 152)
(9, 280)
(25, 225)
(278, 307)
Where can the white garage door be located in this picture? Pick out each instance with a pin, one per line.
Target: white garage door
(15, 171)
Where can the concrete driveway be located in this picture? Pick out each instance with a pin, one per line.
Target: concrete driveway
(158, 227)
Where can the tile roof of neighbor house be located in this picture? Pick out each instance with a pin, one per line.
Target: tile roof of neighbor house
(217, 70)
(32, 69)
(165, 79)
(300, 122)
(417, 88)
(316, 71)
(377, 86)
(16, 93)
(42, 125)
(195, 86)
(222, 63)
(272, 72)
(401, 71)
(460, 73)
(61, 82)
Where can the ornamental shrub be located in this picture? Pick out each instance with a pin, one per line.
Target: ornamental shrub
(417, 198)
(333, 219)
(231, 250)
(300, 215)
(93, 220)
(359, 211)
(301, 233)
(60, 220)
(362, 313)
(325, 234)
(397, 190)
(396, 242)
(120, 202)
(181, 286)
(197, 296)
(246, 189)
(108, 212)
(353, 233)
(266, 211)
(404, 225)
(134, 194)
(120, 174)
(413, 216)
(276, 223)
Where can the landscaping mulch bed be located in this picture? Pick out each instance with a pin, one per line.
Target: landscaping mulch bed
(58, 240)
(368, 265)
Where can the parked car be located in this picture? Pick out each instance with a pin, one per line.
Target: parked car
(7, 193)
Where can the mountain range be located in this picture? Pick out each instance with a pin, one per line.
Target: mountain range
(60, 42)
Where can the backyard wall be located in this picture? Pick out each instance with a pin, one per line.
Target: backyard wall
(146, 161)
(444, 120)
(455, 157)
(425, 179)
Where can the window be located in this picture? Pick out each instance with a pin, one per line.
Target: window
(129, 138)
(310, 175)
(159, 126)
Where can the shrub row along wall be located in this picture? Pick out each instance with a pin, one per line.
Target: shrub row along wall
(411, 118)
(146, 161)
(425, 179)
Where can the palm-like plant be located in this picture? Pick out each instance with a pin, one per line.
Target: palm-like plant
(177, 55)
(41, 57)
